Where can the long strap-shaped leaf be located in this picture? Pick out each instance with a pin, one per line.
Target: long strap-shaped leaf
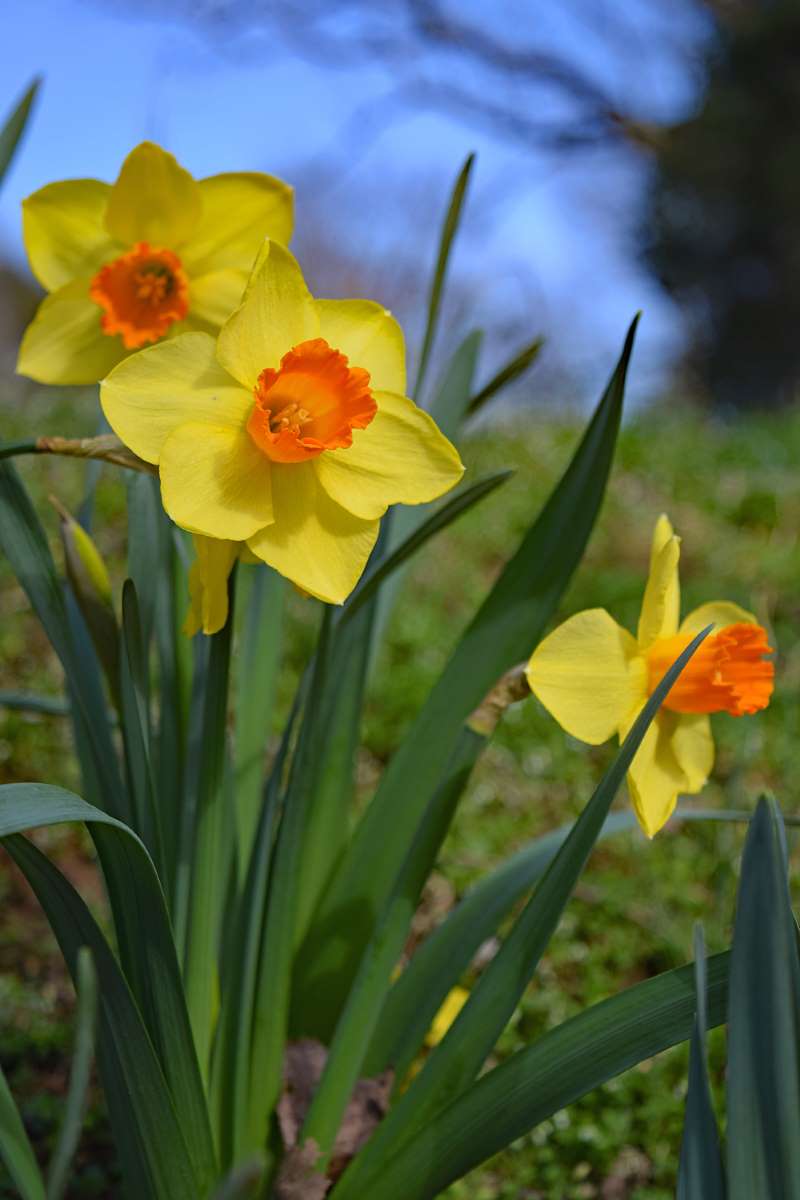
(564, 1064)
(14, 127)
(763, 1084)
(23, 541)
(16, 1152)
(157, 1164)
(505, 629)
(79, 1075)
(700, 1173)
(437, 965)
(457, 1059)
(153, 977)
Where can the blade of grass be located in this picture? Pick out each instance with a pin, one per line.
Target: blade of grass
(75, 1104)
(449, 404)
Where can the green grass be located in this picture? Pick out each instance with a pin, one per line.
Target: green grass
(731, 491)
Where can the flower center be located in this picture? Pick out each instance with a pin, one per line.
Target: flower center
(728, 673)
(142, 293)
(313, 402)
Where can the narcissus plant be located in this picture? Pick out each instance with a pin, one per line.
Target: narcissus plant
(289, 433)
(153, 255)
(594, 678)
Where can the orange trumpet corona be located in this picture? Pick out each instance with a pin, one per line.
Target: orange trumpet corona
(728, 673)
(313, 402)
(142, 294)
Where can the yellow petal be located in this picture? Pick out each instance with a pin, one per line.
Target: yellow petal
(693, 746)
(239, 211)
(655, 778)
(214, 296)
(400, 458)
(154, 200)
(662, 597)
(64, 343)
(276, 313)
(718, 613)
(64, 231)
(314, 542)
(215, 481)
(452, 1005)
(166, 385)
(588, 674)
(208, 584)
(370, 337)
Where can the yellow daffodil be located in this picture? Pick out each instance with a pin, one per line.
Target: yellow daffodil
(128, 264)
(290, 432)
(594, 678)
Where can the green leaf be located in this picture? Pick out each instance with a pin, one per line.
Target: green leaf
(16, 1152)
(449, 228)
(211, 858)
(12, 131)
(451, 399)
(700, 1174)
(135, 722)
(456, 1060)
(366, 996)
(23, 541)
(503, 632)
(75, 1104)
(144, 936)
(273, 984)
(155, 1158)
(91, 588)
(47, 706)
(518, 365)
(438, 964)
(260, 599)
(563, 1065)
(232, 1065)
(457, 504)
(763, 1082)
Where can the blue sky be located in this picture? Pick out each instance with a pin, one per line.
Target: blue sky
(546, 242)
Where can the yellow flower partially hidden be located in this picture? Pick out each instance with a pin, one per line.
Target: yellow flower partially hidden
(594, 678)
(451, 1006)
(289, 432)
(152, 255)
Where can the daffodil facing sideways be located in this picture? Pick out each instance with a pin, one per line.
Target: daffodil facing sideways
(153, 255)
(286, 438)
(594, 678)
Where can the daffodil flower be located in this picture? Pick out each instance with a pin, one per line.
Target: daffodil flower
(128, 264)
(594, 678)
(290, 433)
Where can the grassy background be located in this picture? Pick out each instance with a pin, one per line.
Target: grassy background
(732, 493)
